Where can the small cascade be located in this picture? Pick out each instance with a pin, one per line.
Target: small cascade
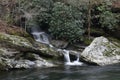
(78, 57)
(41, 37)
(66, 55)
(67, 58)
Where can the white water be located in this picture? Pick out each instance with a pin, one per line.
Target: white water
(43, 38)
(66, 56)
(68, 61)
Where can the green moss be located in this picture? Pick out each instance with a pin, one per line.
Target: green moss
(46, 50)
(3, 64)
(112, 49)
(115, 41)
(108, 53)
(87, 41)
(2, 50)
(97, 31)
(14, 39)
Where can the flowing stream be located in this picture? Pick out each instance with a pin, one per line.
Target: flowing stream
(68, 61)
(42, 37)
(65, 73)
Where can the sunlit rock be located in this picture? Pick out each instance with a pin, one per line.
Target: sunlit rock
(18, 52)
(102, 52)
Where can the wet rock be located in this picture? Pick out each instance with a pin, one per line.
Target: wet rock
(46, 50)
(102, 52)
(11, 41)
(59, 44)
(21, 44)
(18, 64)
(18, 52)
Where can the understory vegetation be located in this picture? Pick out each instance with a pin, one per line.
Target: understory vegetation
(61, 18)
(66, 22)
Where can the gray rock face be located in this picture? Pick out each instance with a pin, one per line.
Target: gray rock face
(18, 52)
(24, 63)
(102, 51)
(59, 43)
(46, 50)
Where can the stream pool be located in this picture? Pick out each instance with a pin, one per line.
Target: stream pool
(111, 72)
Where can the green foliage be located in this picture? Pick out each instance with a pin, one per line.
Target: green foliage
(107, 17)
(7, 11)
(87, 41)
(66, 22)
(9, 19)
(36, 11)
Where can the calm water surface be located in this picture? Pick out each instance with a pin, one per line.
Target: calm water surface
(65, 73)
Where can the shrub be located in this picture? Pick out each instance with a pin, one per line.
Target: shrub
(108, 19)
(35, 12)
(66, 23)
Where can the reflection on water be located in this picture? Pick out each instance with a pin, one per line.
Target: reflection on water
(65, 73)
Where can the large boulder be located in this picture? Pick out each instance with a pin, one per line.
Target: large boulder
(46, 50)
(18, 52)
(24, 45)
(102, 52)
(14, 41)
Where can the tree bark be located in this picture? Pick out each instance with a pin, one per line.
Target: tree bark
(89, 18)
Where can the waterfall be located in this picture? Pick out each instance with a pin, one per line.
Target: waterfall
(42, 37)
(66, 54)
(78, 58)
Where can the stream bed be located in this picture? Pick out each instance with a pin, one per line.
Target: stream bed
(111, 72)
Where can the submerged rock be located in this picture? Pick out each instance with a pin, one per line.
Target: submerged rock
(102, 52)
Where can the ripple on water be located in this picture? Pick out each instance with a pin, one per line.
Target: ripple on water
(65, 73)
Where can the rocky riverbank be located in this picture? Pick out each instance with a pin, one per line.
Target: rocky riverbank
(102, 51)
(18, 52)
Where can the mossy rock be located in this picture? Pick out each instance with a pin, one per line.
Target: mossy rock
(14, 41)
(47, 51)
(30, 56)
(18, 50)
(102, 51)
(2, 65)
(22, 44)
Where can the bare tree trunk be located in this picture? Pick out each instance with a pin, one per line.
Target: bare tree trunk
(89, 18)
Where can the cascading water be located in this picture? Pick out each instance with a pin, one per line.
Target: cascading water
(42, 37)
(66, 55)
(67, 58)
